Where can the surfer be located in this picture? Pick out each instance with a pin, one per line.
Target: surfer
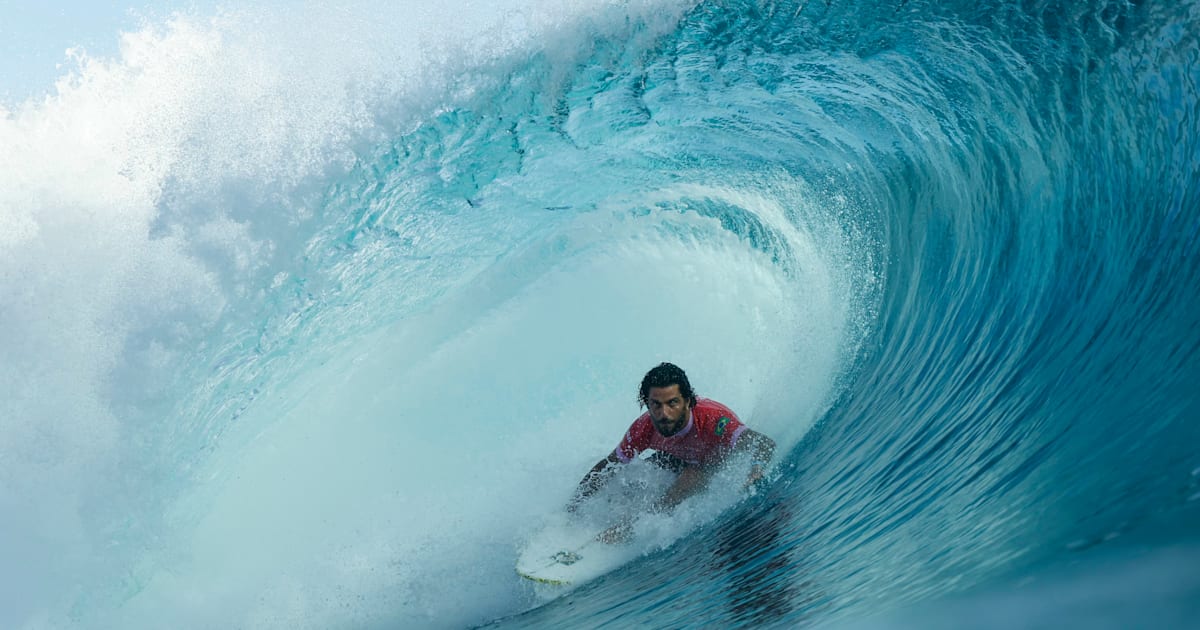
(691, 436)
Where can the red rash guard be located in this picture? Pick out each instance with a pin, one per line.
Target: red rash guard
(711, 429)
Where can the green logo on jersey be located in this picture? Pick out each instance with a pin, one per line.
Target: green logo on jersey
(721, 426)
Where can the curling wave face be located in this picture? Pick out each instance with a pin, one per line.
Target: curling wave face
(307, 335)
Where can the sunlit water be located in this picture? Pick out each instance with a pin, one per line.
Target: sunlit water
(312, 316)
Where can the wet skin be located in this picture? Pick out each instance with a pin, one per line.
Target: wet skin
(669, 410)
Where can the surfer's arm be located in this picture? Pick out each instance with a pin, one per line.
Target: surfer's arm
(761, 449)
(593, 481)
(691, 479)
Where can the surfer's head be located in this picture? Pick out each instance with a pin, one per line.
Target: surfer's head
(668, 396)
(665, 375)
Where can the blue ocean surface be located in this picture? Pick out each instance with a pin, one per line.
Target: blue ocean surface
(311, 316)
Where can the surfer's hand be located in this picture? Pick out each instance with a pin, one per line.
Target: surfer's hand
(756, 475)
(619, 533)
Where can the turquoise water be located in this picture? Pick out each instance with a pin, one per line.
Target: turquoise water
(313, 315)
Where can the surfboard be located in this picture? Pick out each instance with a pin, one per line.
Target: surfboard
(565, 554)
(565, 550)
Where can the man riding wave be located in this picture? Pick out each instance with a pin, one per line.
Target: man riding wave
(691, 436)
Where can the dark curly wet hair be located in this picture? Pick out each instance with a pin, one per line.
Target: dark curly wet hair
(666, 375)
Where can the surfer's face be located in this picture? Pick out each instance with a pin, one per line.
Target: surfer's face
(668, 409)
